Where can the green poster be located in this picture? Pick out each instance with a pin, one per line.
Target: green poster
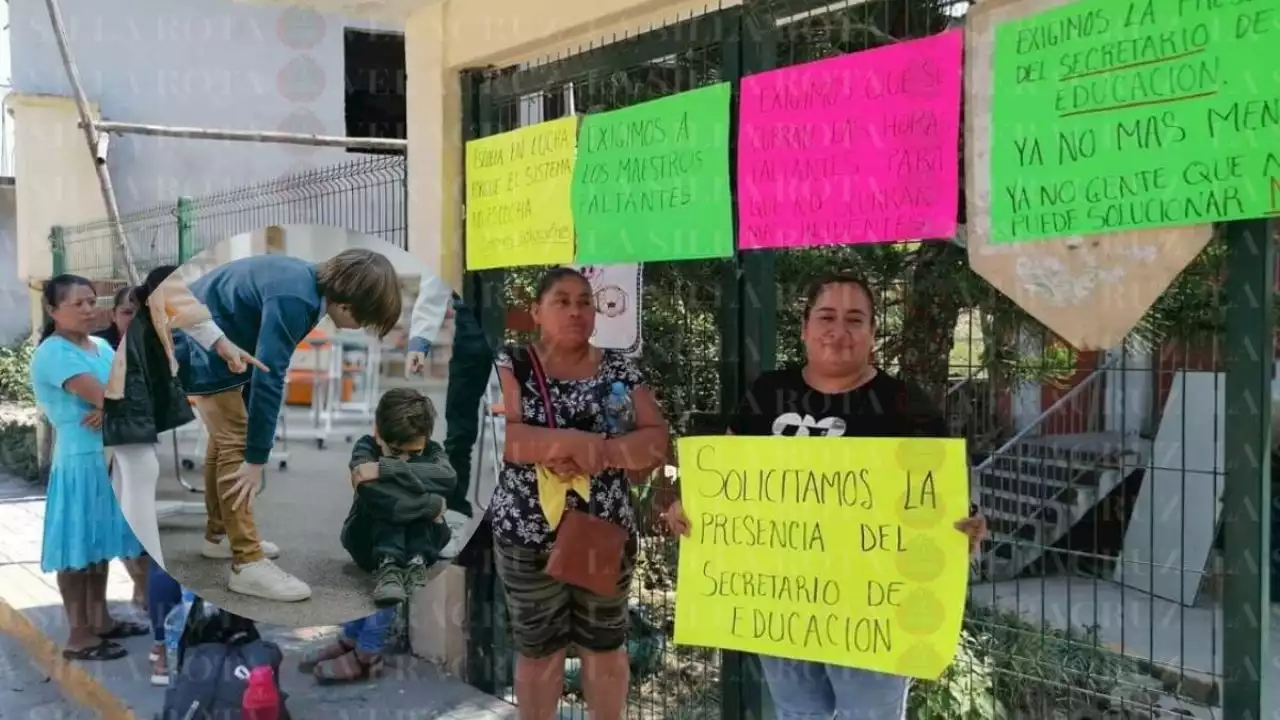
(651, 181)
(1113, 115)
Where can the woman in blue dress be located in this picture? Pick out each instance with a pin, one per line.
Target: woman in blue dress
(84, 528)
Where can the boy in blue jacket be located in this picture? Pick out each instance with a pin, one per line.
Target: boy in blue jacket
(269, 303)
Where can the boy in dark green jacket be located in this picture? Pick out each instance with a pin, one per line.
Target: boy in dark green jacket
(396, 527)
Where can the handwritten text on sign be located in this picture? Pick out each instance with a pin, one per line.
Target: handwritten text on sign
(835, 550)
(652, 181)
(518, 186)
(1114, 115)
(861, 148)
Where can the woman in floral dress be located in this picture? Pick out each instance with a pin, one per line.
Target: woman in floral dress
(548, 615)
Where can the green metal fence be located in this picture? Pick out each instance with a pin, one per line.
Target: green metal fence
(366, 195)
(1109, 582)
(1066, 615)
(688, 305)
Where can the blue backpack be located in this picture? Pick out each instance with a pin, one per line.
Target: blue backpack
(217, 652)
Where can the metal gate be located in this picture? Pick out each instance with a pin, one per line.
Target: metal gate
(723, 322)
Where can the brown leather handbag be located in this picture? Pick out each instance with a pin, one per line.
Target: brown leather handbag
(588, 551)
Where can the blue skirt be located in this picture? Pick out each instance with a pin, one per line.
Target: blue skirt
(83, 524)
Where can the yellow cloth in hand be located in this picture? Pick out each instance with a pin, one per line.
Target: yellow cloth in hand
(553, 492)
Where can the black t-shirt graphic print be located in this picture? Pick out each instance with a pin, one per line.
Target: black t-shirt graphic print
(794, 424)
(780, 403)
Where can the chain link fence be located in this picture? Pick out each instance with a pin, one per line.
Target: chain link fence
(366, 195)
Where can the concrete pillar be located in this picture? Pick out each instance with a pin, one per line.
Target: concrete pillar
(56, 185)
(434, 108)
(438, 612)
(437, 616)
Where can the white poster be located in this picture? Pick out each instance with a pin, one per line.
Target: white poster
(617, 290)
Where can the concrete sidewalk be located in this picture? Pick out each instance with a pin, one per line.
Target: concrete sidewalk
(32, 626)
(302, 510)
(26, 691)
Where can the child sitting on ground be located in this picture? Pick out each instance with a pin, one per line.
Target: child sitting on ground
(396, 526)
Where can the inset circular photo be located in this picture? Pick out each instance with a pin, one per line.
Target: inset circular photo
(300, 424)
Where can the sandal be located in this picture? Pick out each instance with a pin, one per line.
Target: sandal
(332, 651)
(348, 668)
(103, 651)
(125, 629)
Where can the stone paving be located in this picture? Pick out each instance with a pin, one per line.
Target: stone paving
(411, 690)
(27, 692)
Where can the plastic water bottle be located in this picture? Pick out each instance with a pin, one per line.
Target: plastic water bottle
(619, 411)
(174, 623)
(261, 700)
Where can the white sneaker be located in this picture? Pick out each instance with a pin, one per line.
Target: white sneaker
(266, 580)
(221, 550)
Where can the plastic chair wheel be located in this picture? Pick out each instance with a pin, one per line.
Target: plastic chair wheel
(320, 444)
(188, 465)
(284, 465)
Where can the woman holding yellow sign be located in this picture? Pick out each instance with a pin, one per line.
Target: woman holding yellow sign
(838, 393)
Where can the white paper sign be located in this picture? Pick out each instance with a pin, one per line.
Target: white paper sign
(618, 291)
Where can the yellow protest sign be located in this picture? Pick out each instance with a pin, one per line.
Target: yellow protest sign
(834, 550)
(518, 196)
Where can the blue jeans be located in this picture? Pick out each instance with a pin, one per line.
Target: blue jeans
(816, 691)
(369, 633)
(163, 594)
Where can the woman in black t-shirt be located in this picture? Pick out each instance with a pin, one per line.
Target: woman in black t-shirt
(838, 393)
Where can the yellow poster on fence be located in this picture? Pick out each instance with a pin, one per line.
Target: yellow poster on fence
(834, 550)
(518, 196)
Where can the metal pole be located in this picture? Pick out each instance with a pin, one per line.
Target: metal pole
(1246, 497)
(124, 128)
(92, 139)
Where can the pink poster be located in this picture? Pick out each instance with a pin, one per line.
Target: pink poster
(862, 148)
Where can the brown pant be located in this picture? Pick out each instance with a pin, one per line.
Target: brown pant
(227, 421)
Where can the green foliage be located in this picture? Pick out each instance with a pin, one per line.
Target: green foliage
(966, 691)
(18, 448)
(1194, 306)
(1007, 667)
(15, 369)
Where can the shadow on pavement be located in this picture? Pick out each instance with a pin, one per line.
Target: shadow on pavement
(410, 689)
